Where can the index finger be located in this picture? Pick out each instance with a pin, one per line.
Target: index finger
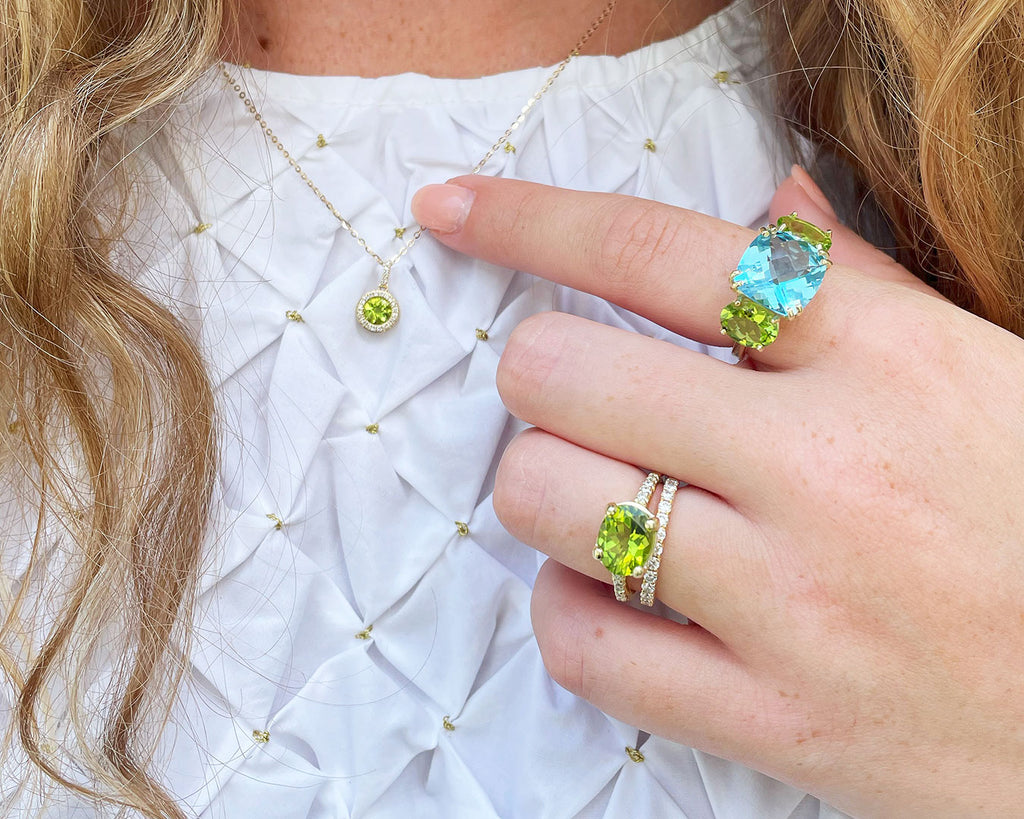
(650, 258)
(669, 264)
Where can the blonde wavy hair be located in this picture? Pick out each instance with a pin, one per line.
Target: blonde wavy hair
(110, 437)
(925, 101)
(109, 433)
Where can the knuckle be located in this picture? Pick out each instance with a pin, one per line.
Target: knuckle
(640, 234)
(905, 341)
(563, 651)
(530, 362)
(519, 219)
(520, 488)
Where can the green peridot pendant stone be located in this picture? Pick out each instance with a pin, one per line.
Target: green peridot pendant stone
(748, 323)
(377, 311)
(626, 539)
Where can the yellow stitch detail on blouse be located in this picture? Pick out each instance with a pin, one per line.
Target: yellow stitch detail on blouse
(447, 723)
(634, 754)
(463, 528)
(649, 145)
(278, 523)
(482, 335)
(373, 429)
(321, 141)
(262, 737)
(510, 148)
(724, 78)
(246, 65)
(202, 227)
(296, 316)
(365, 633)
(399, 232)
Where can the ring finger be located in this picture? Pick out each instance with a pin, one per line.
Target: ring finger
(712, 567)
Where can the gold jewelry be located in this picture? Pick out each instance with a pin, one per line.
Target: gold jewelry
(777, 276)
(631, 538)
(377, 311)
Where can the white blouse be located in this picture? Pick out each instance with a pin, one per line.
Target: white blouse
(363, 646)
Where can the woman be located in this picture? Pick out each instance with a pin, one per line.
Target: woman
(359, 641)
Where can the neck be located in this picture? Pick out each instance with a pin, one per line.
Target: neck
(443, 38)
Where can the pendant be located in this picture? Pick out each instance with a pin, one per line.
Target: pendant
(377, 310)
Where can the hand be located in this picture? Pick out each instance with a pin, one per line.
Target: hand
(851, 542)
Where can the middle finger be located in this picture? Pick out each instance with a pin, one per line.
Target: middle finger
(645, 402)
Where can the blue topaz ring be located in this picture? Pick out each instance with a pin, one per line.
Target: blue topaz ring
(777, 276)
(631, 537)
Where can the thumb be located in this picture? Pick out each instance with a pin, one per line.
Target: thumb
(799, 193)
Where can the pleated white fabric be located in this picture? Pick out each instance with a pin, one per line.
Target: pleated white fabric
(383, 646)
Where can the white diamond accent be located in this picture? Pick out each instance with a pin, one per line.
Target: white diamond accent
(664, 508)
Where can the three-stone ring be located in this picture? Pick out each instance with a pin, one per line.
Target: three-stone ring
(777, 276)
(631, 538)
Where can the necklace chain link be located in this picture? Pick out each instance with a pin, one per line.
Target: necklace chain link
(386, 264)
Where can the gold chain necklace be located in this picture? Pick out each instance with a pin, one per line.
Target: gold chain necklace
(377, 311)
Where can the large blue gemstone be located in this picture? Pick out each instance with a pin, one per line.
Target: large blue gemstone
(782, 272)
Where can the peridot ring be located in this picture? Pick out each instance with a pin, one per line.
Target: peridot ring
(777, 276)
(631, 537)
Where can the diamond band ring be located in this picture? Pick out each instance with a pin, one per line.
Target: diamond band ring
(668, 493)
(631, 537)
(777, 276)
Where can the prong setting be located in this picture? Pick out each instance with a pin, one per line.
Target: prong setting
(777, 276)
(628, 537)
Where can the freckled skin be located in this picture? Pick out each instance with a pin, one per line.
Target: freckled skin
(452, 38)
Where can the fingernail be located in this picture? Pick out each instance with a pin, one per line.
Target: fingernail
(803, 179)
(442, 208)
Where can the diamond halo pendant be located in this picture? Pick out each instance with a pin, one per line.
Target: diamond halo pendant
(378, 311)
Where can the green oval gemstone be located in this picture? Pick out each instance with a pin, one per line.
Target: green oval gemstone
(377, 310)
(748, 323)
(803, 229)
(624, 540)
